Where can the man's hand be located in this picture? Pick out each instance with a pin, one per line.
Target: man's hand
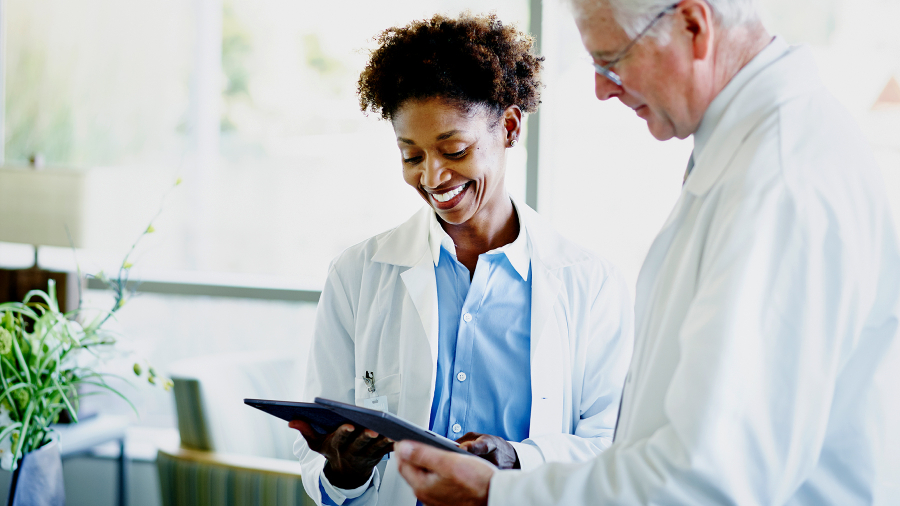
(351, 453)
(493, 449)
(442, 478)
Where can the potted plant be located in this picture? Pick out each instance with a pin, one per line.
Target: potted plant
(43, 352)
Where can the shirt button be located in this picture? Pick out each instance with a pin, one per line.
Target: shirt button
(461, 376)
(457, 428)
(467, 317)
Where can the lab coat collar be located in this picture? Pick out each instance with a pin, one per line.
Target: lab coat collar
(407, 244)
(753, 97)
(713, 115)
(517, 252)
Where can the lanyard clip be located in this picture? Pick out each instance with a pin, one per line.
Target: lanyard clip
(370, 381)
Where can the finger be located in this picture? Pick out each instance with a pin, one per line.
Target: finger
(423, 456)
(341, 437)
(417, 477)
(363, 442)
(313, 438)
(481, 446)
(382, 447)
(470, 436)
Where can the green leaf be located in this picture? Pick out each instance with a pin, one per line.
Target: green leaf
(22, 363)
(113, 390)
(23, 436)
(9, 430)
(65, 399)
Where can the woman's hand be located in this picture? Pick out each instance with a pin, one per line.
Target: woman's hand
(493, 449)
(351, 452)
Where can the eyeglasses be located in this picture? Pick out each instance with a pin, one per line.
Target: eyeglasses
(604, 70)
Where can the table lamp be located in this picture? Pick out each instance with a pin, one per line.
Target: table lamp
(40, 207)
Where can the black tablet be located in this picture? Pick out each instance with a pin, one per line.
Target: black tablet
(389, 425)
(321, 418)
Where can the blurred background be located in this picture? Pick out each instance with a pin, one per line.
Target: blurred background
(252, 104)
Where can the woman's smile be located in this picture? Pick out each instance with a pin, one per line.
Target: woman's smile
(450, 198)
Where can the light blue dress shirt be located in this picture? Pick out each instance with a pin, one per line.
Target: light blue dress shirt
(483, 381)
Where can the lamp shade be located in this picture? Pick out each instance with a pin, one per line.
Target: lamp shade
(38, 205)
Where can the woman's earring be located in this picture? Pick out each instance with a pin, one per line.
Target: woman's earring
(513, 143)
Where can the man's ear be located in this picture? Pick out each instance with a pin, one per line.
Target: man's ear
(697, 19)
(512, 123)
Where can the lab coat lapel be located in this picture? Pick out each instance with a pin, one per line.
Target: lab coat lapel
(407, 246)
(548, 349)
(421, 285)
(786, 78)
(650, 270)
(547, 358)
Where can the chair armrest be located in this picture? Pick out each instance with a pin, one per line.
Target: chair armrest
(199, 478)
(234, 461)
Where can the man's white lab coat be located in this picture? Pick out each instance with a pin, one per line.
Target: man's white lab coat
(764, 310)
(379, 313)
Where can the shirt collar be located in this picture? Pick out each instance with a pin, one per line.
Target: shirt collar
(713, 115)
(518, 252)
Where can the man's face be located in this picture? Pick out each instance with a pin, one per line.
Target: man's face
(655, 79)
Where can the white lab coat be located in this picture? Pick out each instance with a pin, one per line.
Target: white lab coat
(764, 310)
(379, 312)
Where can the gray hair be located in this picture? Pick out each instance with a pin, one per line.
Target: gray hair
(634, 15)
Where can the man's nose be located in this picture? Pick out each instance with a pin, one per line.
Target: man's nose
(604, 88)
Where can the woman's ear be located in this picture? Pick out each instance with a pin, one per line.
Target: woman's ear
(512, 124)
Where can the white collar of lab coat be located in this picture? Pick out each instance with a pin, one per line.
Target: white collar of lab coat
(776, 75)
(518, 252)
(408, 244)
(713, 115)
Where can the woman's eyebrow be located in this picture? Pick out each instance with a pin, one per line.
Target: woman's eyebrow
(441, 137)
(447, 135)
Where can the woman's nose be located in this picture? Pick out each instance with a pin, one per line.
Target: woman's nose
(433, 172)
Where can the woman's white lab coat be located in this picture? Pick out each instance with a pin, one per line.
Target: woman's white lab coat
(765, 313)
(379, 313)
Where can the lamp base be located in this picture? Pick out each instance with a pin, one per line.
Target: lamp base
(16, 283)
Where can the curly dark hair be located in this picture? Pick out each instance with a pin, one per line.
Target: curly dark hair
(470, 60)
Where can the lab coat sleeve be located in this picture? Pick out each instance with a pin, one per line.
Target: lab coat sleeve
(330, 367)
(762, 345)
(609, 339)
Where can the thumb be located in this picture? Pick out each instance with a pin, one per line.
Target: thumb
(420, 455)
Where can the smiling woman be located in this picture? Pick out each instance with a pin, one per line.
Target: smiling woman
(474, 318)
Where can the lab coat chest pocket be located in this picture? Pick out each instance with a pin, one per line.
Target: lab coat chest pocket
(389, 387)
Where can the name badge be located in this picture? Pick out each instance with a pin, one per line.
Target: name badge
(379, 403)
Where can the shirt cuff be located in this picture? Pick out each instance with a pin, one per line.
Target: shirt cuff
(530, 456)
(339, 495)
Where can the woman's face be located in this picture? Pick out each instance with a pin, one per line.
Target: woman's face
(456, 160)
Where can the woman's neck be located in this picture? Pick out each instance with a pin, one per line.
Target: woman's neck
(490, 229)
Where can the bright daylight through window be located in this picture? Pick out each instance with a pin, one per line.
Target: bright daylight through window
(253, 104)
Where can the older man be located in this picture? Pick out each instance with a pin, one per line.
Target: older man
(767, 307)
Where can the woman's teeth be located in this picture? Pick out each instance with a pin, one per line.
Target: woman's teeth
(444, 197)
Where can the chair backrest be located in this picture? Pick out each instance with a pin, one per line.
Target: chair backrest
(209, 400)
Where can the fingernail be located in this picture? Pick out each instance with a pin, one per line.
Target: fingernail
(403, 449)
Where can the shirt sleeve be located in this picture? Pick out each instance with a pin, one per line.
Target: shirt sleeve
(761, 346)
(334, 496)
(330, 365)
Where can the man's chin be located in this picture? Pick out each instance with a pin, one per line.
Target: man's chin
(659, 131)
